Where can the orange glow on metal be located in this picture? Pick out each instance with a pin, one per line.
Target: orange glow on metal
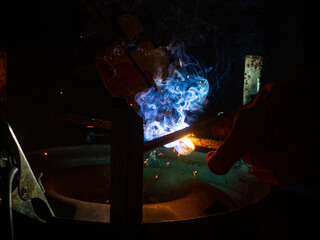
(189, 146)
(180, 62)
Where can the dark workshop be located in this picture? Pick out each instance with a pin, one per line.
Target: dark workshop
(159, 119)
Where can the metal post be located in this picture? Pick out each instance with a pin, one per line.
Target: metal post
(252, 76)
(3, 76)
(126, 171)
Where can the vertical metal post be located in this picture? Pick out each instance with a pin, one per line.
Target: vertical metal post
(126, 171)
(3, 81)
(3, 76)
(252, 76)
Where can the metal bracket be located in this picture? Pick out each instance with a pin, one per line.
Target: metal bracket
(28, 187)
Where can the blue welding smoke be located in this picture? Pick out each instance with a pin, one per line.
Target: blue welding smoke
(217, 33)
(182, 92)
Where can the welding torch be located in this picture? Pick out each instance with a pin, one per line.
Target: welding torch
(192, 132)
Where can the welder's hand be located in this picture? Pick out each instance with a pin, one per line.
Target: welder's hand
(241, 132)
(276, 133)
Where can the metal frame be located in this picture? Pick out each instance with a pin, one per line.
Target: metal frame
(126, 171)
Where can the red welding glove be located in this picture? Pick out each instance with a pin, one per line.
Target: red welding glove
(119, 74)
(277, 133)
(121, 65)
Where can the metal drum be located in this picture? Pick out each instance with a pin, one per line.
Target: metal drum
(178, 190)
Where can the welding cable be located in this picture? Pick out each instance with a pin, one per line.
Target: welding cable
(11, 176)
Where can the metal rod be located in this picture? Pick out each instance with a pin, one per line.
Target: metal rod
(12, 173)
(61, 117)
(106, 124)
(195, 129)
(205, 142)
(3, 76)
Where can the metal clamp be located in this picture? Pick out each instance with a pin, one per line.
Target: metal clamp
(28, 187)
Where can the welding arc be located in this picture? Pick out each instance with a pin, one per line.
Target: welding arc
(194, 129)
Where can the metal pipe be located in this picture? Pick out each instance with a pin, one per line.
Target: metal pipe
(57, 116)
(11, 176)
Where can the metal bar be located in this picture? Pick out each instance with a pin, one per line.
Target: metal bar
(61, 117)
(126, 171)
(6, 180)
(205, 142)
(12, 174)
(194, 129)
(3, 76)
(105, 124)
(3, 81)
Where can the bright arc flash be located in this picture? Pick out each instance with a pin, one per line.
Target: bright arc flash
(186, 148)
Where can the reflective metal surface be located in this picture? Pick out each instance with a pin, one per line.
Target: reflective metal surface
(175, 187)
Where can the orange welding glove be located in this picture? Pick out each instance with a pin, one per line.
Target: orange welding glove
(277, 133)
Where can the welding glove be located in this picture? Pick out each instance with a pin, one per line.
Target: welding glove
(277, 133)
(128, 68)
